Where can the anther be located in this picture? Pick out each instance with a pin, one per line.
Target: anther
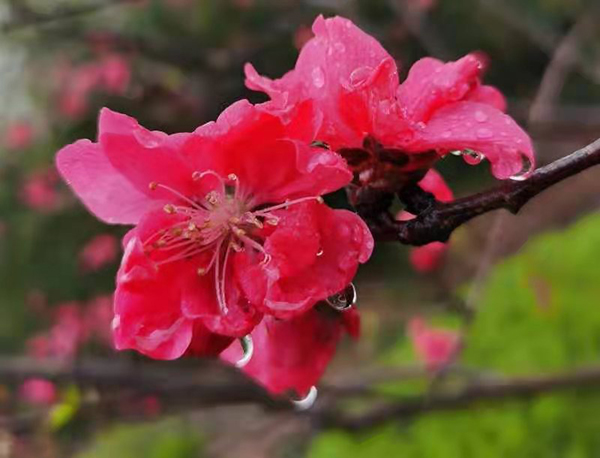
(235, 220)
(232, 177)
(320, 200)
(153, 185)
(201, 271)
(273, 221)
(239, 232)
(237, 247)
(169, 208)
(196, 175)
(192, 227)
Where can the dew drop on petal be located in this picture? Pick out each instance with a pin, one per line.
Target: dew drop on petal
(484, 133)
(248, 347)
(148, 139)
(480, 116)
(318, 77)
(320, 252)
(344, 300)
(472, 157)
(308, 401)
(360, 75)
(526, 171)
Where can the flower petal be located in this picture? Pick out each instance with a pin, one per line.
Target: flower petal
(315, 252)
(148, 307)
(481, 128)
(271, 157)
(144, 156)
(431, 84)
(103, 190)
(290, 354)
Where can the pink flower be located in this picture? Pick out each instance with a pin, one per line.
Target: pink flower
(370, 117)
(111, 73)
(229, 224)
(39, 191)
(64, 338)
(18, 135)
(293, 354)
(98, 317)
(434, 346)
(99, 252)
(114, 73)
(38, 391)
(429, 257)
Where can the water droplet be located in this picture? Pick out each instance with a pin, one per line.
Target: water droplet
(421, 125)
(480, 116)
(320, 252)
(308, 401)
(248, 347)
(484, 133)
(148, 139)
(318, 77)
(472, 157)
(360, 75)
(344, 300)
(526, 171)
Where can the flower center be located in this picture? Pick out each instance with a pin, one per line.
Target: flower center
(220, 222)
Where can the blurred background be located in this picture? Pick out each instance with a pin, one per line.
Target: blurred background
(510, 298)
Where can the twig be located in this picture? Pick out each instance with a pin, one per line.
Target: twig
(437, 220)
(29, 18)
(519, 387)
(561, 63)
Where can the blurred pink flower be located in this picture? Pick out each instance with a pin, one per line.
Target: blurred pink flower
(110, 73)
(435, 347)
(98, 317)
(115, 73)
(428, 258)
(99, 252)
(38, 391)
(18, 135)
(39, 191)
(65, 336)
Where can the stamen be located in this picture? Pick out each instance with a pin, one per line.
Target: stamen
(286, 204)
(170, 209)
(154, 185)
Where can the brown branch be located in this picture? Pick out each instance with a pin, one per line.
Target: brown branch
(437, 220)
(488, 391)
(26, 17)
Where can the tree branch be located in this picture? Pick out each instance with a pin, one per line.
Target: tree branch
(520, 387)
(437, 221)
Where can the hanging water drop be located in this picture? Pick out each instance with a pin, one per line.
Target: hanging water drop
(472, 157)
(526, 170)
(344, 300)
(248, 348)
(308, 401)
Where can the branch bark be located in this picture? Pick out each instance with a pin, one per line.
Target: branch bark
(436, 221)
(521, 387)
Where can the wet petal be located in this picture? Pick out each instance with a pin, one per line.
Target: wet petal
(291, 354)
(482, 128)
